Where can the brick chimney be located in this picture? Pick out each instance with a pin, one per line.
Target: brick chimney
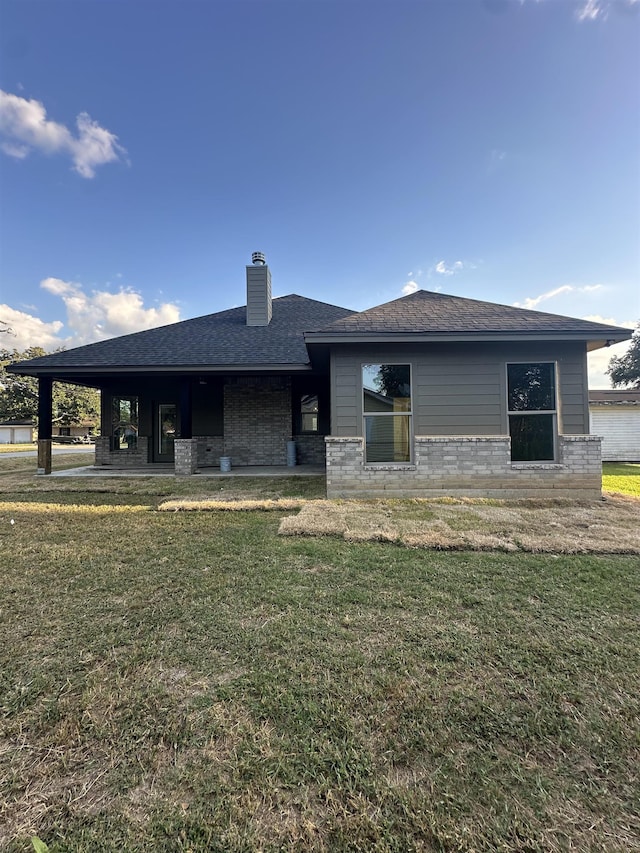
(258, 291)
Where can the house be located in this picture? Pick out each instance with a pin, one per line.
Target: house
(615, 416)
(16, 432)
(425, 395)
(73, 433)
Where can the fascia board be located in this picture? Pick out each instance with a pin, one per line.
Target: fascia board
(598, 338)
(68, 370)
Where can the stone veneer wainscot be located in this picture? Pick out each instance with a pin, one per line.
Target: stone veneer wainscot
(475, 466)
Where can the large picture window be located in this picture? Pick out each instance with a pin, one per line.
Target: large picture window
(531, 401)
(386, 405)
(124, 423)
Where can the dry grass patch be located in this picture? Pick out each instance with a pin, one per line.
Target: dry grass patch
(607, 527)
(8, 507)
(229, 505)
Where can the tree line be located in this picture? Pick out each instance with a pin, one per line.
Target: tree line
(72, 404)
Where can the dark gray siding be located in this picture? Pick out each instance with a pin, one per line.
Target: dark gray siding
(258, 296)
(459, 389)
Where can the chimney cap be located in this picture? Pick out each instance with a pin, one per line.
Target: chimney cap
(258, 258)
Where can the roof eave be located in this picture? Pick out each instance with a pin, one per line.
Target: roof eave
(195, 369)
(595, 340)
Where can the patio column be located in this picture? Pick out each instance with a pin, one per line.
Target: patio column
(186, 422)
(186, 447)
(45, 423)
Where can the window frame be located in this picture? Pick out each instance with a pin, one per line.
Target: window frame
(408, 414)
(300, 413)
(116, 426)
(527, 413)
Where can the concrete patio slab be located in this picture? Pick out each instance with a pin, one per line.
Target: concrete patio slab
(215, 473)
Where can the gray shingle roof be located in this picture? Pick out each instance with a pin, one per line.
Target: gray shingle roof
(426, 312)
(224, 340)
(213, 340)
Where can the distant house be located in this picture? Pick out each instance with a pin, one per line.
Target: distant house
(73, 433)
(426, 395)
(615, 416)
(16, 432)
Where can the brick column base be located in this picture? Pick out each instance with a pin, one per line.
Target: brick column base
(186, 454)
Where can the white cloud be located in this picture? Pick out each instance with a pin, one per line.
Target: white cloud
(532, 302)
(103, 314)
(15, 150)
(591, 10)
(89, 317)
(594, 10)
(442, 269)
(24, 126)
(597, 318)
(29, 331)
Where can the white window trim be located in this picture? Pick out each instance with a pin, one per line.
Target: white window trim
(409, 415)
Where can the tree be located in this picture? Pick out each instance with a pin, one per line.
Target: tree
(394, 380)
(625, 369)
(72, 404)
(18, 394)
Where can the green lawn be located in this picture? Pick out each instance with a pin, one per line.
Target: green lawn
(621, 477)
(193, 681)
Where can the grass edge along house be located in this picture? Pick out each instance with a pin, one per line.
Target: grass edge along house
(429, 394)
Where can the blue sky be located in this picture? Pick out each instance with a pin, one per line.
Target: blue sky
(485, 148)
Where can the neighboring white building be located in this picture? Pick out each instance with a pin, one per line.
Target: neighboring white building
(615, 416)
(16, 432)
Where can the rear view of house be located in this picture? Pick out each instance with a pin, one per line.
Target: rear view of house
(426, 395)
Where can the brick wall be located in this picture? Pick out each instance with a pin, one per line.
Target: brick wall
(465, 465)
(257, 420)
(310, 449)
(134, 458)
(210, 449)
